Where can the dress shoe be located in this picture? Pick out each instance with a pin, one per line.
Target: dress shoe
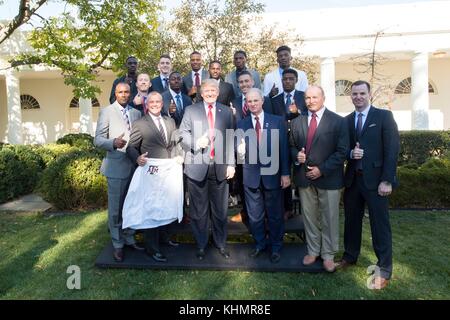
(224, 253)
(309, 260)
(343, 264)
(118, 254)
(200, 254)
(256, 253)
(135, 246)
(159, 257)
(173, 243)
(236, 218)
(329, 265)
(378, 283)
(275, 257)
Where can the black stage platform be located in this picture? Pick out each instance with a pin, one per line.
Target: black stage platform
(183, 258)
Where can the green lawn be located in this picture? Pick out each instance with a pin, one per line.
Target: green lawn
(37, 249)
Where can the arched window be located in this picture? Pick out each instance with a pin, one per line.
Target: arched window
(28, 102)
(74, 103)
(404, 87)
(343, 87)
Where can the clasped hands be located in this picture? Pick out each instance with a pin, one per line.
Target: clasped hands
(313, 172)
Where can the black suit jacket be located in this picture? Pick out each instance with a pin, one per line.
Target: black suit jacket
(157, 85)
(188, 84)
(237, 103)
(145, 137)
(279, 107)
(381, 143)
(328, 152)
(177, 116)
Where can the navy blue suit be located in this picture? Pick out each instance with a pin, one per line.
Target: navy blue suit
(263, 189)
(178, 115)
(279, 106)
(381, 143)
(157, 84)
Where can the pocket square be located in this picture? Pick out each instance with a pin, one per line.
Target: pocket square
(372, 125)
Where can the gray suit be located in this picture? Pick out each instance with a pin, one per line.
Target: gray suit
(116, 166)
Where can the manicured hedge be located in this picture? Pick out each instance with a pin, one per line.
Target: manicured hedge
(73, 182)
(20, 171)
(425, 187)
(79, 140)
(416, 147)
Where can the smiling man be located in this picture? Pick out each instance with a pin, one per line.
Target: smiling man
(209, 162)
(319, 143)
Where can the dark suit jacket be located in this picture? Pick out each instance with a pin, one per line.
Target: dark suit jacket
(328, 150)
(381, 143)
(177, 116)
(278, 164)
(157, 84)
(145, 137)
(188, 83)
(279, 107)
(237, 103)
(193, 126)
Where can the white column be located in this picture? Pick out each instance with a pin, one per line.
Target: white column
(327, 82)
(419, 91)
(14, 110)
(86, 116)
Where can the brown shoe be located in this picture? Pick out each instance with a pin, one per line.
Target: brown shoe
(236, 218)
(378, 283)
(329, 265)
(309, 260)
(343, 264)
(118, 254)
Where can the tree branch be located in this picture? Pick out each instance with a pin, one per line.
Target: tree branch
(25, 14)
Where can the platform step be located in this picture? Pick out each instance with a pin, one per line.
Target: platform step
(183, 258)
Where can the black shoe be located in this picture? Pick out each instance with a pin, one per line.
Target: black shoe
(275, 257)
(173, 243)
(224, 253)
(159, 257)
(118, 254)
(256, 253)
(200, 254)
(135, 246)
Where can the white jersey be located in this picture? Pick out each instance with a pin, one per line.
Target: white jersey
(155, 195)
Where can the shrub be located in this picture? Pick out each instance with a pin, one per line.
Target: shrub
(49, 152)
(27, 174)
(416, 147)
(425, 187)
(13, 176)
(80, 140)
(73, 182)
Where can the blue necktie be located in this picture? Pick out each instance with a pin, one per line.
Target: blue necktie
(179, 105)
(288, 102)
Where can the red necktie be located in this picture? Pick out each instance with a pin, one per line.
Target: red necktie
(197, 79)
(245, 108)
(311, 131)
(258, 129)
(211, 131)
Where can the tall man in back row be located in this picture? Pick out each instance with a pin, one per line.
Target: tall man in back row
(209, 162)
(370, 177)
